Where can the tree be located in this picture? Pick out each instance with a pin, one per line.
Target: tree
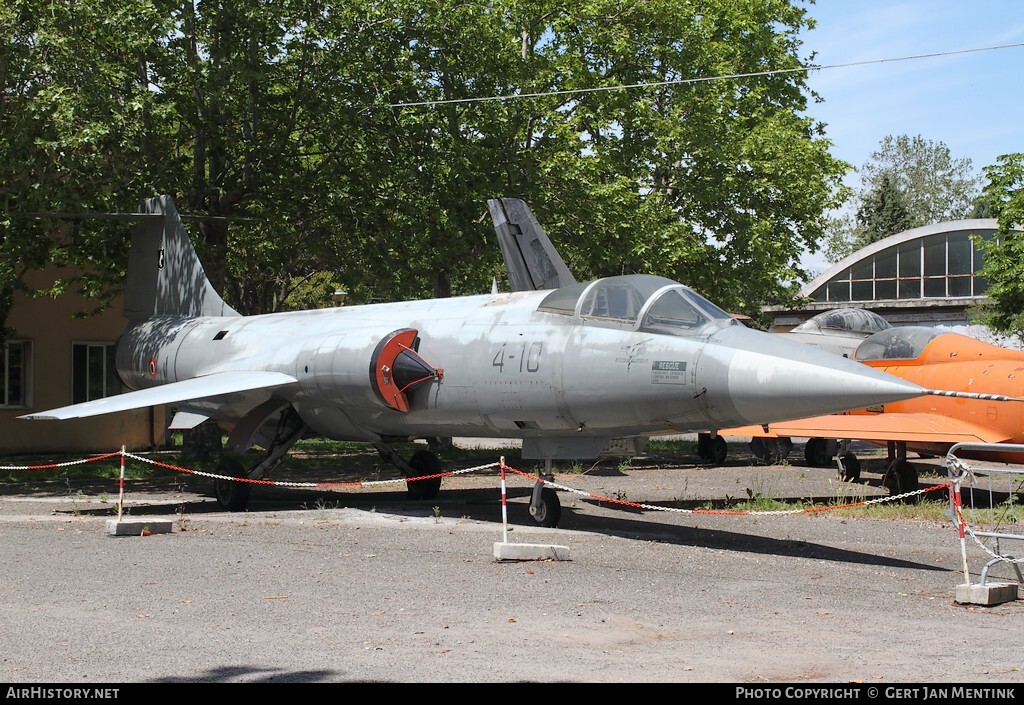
(883, 212)
(907, 183)
(1003, 256)
(73, 117)
(322, 142)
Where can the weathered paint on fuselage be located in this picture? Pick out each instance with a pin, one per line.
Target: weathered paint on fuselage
(509, 370)
(503, 364)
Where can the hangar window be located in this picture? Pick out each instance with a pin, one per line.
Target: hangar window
(935, 266)
(93, 372)
(14, 373)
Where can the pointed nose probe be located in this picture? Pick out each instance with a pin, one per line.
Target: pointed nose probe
(787, 380)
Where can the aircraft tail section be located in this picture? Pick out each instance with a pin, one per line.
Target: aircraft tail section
(530, 258)
(165, 276)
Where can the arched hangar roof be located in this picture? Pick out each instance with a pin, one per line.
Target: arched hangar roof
(937, 261)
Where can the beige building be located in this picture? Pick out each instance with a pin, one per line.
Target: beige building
(53, 359)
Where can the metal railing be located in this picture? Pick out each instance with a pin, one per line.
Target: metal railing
(988, 504)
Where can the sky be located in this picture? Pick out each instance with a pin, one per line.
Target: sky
(971, 102)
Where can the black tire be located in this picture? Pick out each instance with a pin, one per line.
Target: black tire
(549, 510)
(901, 478)
(440, 444)
(785, 447)
(851, 468)
(423, 462)
(231, 494)
(771, 450)
(817, 453)
(719, 450)
(712, 450)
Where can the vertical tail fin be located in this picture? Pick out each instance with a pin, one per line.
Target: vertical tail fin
(165, 276)
(530, 258)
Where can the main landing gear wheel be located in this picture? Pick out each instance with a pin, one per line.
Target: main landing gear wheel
(849, 470)
(712, 450)
(546, 509)
(771, 450)
(231, 494)
(423, 462)
(818, 452)
(901, 478)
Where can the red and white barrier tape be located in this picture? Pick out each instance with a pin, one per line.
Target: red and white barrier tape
(451, 473)
(737, 512)
(69, 463)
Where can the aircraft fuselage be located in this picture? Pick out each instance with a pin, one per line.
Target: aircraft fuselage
(509, 370)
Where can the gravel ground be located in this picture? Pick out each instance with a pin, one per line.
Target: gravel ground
(360, 584)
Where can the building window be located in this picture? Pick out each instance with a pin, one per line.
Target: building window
(14, 373)
(939, 266)
(93, 372)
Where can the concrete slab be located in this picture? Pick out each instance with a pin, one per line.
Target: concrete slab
(138, 526)
(530, 552)
(987, 594)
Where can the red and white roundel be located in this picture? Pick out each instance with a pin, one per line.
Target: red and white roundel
(152, 367)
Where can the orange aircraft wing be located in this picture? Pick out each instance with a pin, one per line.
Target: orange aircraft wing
(911, 428)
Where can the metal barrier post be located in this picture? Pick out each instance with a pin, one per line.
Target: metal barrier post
(504, 506)
(985, 593)
(120, 499)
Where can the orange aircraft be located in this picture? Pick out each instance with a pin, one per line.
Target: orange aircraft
(927, 425)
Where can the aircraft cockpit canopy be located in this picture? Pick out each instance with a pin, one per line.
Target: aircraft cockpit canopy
(900, 343)
(659, 304)
(847, 320)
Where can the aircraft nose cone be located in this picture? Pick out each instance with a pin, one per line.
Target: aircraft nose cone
(780, 380)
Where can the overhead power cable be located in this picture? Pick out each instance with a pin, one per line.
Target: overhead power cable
(703, 79)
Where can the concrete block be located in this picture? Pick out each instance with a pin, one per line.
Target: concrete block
(530, 552)
(987, 594)
(138, 526)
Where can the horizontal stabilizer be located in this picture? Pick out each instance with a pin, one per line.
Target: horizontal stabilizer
(198, 388)
(186, 420)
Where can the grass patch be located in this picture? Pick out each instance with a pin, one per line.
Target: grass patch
(308, 455)
(35, 469)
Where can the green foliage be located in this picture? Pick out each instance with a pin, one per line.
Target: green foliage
(907, 183)
(882, 213)
(322, 143)
(936, 187)
(1003, 256)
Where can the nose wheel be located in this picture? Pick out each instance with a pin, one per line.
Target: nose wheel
(545, 507)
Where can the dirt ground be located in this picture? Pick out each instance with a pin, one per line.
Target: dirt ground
(356, 583)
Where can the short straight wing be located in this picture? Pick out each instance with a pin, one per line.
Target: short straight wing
(212, 385)
(911, 428)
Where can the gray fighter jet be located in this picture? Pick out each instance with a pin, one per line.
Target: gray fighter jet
(571, 371)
